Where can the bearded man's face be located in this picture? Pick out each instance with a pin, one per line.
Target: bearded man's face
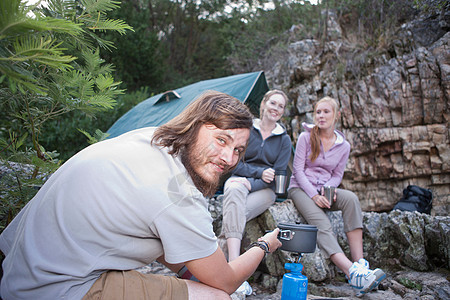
(214, 153)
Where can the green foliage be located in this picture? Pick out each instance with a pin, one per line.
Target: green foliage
(50, 65)
(175, 43)
(432, 5)
(91, 15)
(97, 137)
(62, 134)
(139, 57)
(410, 284)
(24, 45)
(19, 181)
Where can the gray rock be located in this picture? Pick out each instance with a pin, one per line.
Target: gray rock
(402, 243)
(416, 240)
(395, 241)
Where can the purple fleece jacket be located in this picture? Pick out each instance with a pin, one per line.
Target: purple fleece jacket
(327, 169)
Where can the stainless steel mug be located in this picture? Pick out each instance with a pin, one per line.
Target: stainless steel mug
(328, 192)
(280, 181)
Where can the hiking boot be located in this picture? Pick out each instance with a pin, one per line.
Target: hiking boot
(364, 280)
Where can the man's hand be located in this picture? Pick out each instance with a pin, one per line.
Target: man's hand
(215, 271)
(271, 238)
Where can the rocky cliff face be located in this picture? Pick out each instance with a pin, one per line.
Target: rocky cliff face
(394, 105)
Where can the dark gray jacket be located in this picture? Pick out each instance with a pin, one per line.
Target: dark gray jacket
(273, 152)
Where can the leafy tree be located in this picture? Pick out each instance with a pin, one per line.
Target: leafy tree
(65, 134)
(50, 65)
(139, 57)
(175, 43)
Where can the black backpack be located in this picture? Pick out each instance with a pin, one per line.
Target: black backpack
(415, 198)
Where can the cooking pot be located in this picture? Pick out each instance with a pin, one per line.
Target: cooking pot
(300, 238)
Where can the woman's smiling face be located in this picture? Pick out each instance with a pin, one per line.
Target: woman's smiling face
(273, 108)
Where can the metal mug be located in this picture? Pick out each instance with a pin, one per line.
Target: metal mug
(329, 192)
(280, 181)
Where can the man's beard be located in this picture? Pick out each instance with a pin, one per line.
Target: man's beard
(191, 156)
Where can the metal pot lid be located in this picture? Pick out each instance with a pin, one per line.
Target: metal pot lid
(293, 226)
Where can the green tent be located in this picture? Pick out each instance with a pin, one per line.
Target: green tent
(158, 110)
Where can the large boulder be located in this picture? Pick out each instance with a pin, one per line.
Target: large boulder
(391, 240)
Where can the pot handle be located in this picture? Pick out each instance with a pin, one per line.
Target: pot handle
(286, 234)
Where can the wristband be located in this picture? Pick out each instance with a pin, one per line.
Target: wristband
(267, 244)
(262, 244)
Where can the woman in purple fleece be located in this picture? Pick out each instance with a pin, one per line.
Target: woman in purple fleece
(320, 159)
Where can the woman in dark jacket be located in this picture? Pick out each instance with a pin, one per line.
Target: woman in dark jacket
(251, 189)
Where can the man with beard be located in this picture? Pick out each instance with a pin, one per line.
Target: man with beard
(122, 203)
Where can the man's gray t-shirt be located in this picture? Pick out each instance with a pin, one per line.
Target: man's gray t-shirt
(117, 205)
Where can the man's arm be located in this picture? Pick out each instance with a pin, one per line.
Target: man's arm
(215, 271)
(173, 267)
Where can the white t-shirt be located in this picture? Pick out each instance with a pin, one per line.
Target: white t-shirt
(116, 205)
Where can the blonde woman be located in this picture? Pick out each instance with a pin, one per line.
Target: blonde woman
(320, 158)
(250, 191)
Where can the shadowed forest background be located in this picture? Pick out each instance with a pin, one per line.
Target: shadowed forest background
(70, 69)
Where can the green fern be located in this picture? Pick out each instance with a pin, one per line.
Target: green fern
(93, 63)
(105, 83)
(94, 6)
(98, 136)
(107, 24)
(40, 50)
(105, 44)
(91, 16)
